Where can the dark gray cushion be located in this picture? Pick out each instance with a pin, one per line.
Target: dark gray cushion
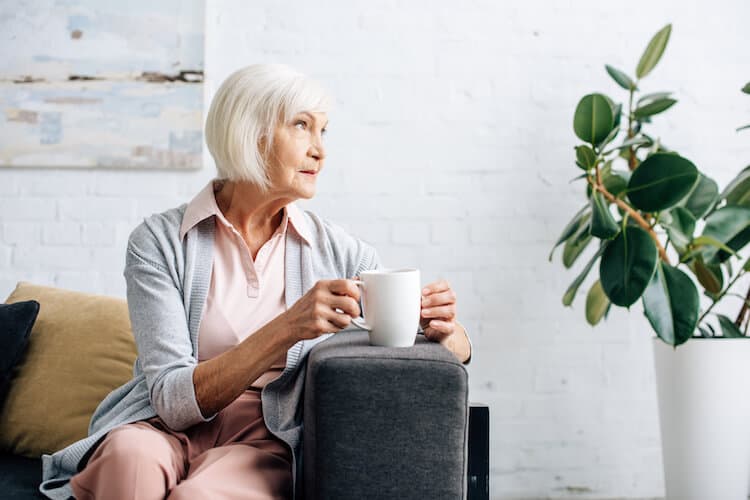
(20, 477)
(384, 422)
(16, 321)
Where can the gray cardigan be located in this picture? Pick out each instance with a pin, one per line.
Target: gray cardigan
(167, 284)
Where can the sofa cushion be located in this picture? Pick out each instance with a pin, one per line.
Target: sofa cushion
(16, 321)
(20, 477)
(80, 349)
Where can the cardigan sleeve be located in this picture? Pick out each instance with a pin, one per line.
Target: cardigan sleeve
(159, 323)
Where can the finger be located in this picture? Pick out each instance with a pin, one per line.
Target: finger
(438, 286)
(443, 326)
(339, 321)
(435, 335)
(441, 312)
(439, 330)
(439, 299)
(344, 287)
(345, 304)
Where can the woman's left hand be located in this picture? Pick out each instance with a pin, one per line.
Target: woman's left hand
(438, 311)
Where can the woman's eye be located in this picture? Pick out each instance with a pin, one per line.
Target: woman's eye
(323, 132)
(302, 125)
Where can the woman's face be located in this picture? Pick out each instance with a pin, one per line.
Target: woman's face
(297, 155)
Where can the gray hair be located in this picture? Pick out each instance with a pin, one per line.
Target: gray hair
(247, 108)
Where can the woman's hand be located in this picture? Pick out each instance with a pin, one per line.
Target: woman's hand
(438, 314)
(438, 320)
(315, 313)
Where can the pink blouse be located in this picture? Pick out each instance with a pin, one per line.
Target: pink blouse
(244, 294)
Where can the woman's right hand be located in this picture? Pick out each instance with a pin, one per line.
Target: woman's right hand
(315, 313)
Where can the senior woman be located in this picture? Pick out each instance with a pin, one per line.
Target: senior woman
(227, 294)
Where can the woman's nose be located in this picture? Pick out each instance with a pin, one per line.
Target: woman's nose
(317, 150)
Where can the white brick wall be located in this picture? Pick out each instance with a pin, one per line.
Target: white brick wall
(451, 148)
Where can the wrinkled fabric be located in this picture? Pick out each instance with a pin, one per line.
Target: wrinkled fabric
(233, 456)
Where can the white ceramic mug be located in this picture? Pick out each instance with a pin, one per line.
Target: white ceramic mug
(391, 305)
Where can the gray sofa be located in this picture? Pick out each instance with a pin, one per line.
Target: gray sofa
(379, 423)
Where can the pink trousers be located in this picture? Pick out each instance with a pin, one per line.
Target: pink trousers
(233, 456)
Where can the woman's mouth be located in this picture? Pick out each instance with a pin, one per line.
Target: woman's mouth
(312, 173)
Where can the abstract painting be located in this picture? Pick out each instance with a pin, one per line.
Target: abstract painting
(101, 84)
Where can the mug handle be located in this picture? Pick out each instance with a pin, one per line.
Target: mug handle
(357, 321)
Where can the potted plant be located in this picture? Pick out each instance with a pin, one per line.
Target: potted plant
(662, 230)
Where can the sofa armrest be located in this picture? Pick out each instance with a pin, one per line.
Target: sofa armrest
(384, 422)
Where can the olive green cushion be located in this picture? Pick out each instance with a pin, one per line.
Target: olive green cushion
(81, 348)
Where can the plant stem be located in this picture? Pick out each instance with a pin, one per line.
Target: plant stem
(737, 295)
(629, 210)
(743, 310)
(631, 151)
(721, 295)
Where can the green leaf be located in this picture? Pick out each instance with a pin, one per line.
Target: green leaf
(620, 77)
(711, 278)
(618, 115)
(615, 183)
(671, 304)
(603, 225)
(610, 137)
(578, 177)
(729, 225)
(593, 120)
(627, 266)
(743, 127)
(585, 156)
(728, 328)
(623, 174)
(660, 181)
(704, 332)
(746, 88)
(737, 191)
(703, 240)
(698, 249)
(653, 97)
(577, 243)
(570, 293)
(597, 303)
(653, 52)
(680, 227)
(614, 180)
(654, 107)
(728, 265)
(635, 141)
(702, 197)
(570, 229)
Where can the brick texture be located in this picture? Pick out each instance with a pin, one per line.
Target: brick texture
(450, 148)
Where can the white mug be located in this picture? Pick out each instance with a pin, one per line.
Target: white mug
(391, 306)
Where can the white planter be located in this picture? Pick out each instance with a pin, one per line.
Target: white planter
(703, 390)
